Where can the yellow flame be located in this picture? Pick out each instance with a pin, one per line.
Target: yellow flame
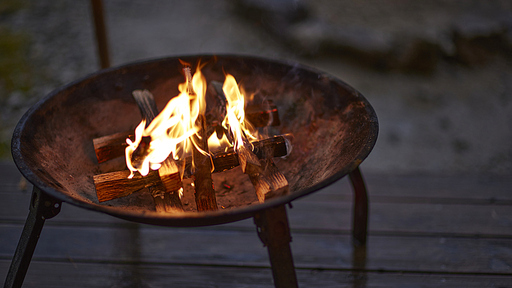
(171, 130)
(215, 144)
(131, 148)
(235, 112)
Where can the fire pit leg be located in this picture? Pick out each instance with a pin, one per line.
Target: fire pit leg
(42, 207)
(274, 232)
(360, 217)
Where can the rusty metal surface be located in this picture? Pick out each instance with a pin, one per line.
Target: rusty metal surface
(334, 130)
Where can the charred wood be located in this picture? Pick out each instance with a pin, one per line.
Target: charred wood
(263, 115)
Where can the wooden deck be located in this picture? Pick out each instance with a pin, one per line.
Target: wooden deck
(425, 231)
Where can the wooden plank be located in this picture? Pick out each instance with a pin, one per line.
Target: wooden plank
(413, 218)
(469, 220)
(73, 274)
(413, 254)
(424, 187)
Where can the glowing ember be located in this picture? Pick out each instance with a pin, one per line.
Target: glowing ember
(170, 133)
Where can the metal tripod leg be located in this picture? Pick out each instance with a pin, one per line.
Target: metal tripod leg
(360, 217)
(274, 232)
(42, 207)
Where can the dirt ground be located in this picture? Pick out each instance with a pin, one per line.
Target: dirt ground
(438, 73)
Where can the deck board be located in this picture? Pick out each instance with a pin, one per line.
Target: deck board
(186, 246)
(147, 275)
(427, 231)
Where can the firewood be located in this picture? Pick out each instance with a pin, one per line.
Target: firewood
(203, 183)
(111, 146)
(267, 180)
(165, 192)
(274, 147)
(226, 160)
(263, 115)
(115, 185)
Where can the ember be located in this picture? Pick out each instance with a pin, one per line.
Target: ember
(177, 142)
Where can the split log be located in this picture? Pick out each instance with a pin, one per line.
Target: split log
(166, 191)
(226, 160)
(267, 180)
(111, 146)
(203, 183)
(115, 185)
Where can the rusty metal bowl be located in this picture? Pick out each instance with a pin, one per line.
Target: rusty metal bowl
(334, 129)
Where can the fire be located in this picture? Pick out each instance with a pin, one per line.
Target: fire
(235, 112)
(214, 143)
(171, 131)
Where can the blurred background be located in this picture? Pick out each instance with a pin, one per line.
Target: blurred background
(438, 73)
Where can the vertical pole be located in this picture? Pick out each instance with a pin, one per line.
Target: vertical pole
(360, 216)
(274, 232)
(359, 277)
(101, 32)
(42, 207)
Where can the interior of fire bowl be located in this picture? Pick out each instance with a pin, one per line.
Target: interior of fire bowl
(333, 128)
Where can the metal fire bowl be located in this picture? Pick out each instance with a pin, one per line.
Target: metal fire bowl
(334, 129)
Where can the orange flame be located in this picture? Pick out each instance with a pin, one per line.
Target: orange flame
(235, 113)
(171, 131)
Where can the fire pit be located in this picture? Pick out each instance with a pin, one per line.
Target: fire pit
(334, 128)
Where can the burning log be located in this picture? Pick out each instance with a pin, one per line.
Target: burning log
(114, 185)
(203, 183)
(273, 147)
(166, 191)
(113, 146)
(254, 158)
(263, 173)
